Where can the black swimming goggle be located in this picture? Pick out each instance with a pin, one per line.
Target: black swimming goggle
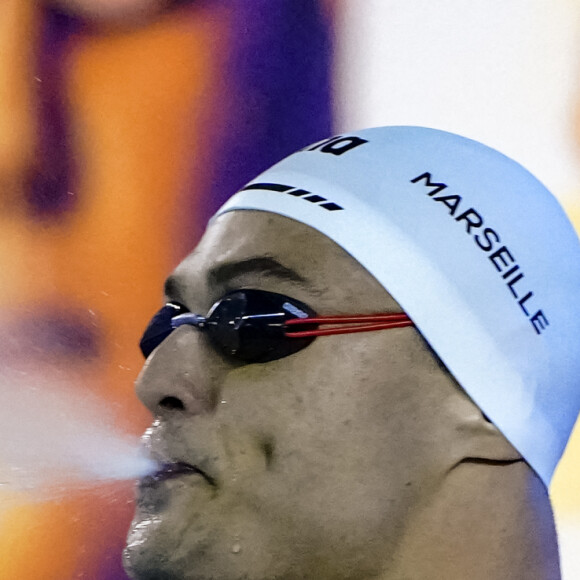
(258, 326)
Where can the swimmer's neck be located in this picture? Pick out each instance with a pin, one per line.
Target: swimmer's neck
(484, 523)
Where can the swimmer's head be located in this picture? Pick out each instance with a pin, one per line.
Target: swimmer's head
(358, 456)
(473, 248)
(313, 460)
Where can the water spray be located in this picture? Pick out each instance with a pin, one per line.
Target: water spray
(54, 438)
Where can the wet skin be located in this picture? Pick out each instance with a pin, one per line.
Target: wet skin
(311, 465)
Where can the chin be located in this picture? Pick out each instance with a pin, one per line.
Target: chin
(156, 550)
(159, 550)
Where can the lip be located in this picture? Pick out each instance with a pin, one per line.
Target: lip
(174, 470)
(175, 460)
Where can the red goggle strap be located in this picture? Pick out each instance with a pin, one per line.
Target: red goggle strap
(370, 322)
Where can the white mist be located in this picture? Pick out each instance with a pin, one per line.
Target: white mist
(55, 437)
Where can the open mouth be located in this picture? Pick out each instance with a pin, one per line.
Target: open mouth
(169, 471)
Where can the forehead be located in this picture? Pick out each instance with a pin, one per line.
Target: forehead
(268, 251)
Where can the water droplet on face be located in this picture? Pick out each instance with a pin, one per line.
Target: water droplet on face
(236, 548)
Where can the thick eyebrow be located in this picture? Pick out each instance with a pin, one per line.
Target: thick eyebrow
(222, 273)
(262, 266)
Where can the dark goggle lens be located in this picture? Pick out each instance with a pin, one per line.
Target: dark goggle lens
(160, 327)
(248, 325)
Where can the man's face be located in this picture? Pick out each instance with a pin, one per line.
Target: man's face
(313, 462)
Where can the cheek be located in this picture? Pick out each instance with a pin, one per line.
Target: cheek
(351, 387)
(344, 400)
(339, 460)
(333, 499)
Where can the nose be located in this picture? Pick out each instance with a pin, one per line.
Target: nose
(182, 375)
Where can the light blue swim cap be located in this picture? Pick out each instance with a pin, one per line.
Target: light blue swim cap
(475, 250)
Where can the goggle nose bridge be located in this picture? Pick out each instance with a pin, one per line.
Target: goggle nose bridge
(188, 318)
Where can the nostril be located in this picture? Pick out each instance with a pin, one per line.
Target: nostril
(172, 404)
